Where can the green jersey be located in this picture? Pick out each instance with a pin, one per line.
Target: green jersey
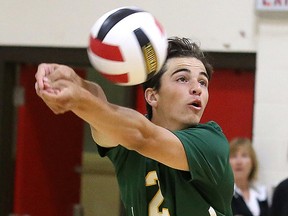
(149, 188)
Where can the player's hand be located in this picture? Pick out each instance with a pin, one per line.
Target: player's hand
(59, 86)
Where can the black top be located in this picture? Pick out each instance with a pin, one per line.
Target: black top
(239, 206)
(279, 205)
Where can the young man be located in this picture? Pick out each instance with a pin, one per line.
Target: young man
(167, 164)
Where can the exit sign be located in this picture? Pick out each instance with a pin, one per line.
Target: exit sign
(272, 5)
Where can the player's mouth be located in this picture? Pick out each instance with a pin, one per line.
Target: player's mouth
(196, 104)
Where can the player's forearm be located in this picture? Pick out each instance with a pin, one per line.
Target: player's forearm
(94, 89)
(120, 124)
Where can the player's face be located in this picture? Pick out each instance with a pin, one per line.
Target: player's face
(183, 94)
(241, 164)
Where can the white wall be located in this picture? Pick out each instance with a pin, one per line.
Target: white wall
(220, 25)
(99, 188)
(271, 99)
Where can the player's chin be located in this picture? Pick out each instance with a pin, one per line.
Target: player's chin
(194, 121)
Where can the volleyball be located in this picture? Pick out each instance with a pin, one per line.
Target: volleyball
(127, 46)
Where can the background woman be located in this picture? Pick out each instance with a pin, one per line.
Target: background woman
(249, 199)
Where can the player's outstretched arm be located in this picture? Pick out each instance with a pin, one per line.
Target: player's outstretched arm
(59, 87)
(63, 90)
(129, 128)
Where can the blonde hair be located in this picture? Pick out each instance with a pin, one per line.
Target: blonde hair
(243, 142)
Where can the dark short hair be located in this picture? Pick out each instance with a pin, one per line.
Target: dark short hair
(177, 48)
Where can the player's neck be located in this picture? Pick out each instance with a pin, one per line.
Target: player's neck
(162, 122)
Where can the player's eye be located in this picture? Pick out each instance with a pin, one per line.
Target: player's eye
(182, 79)
(203, 83)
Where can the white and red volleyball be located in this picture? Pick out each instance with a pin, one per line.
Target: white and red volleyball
(127, 46)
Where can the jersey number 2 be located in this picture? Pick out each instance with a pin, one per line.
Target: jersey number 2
(157, 200)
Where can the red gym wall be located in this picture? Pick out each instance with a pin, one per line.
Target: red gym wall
(231, 101)
(49, 147)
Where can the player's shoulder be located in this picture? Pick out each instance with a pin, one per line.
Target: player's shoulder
(206, 132)
(212, 125)
(211, 131)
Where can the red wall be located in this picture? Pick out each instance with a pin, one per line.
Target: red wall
(49, 147)
(231, 102)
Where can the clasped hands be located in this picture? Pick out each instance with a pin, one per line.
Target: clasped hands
(59, 87)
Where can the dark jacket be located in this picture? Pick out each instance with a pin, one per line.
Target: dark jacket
(279, 205)
(258, 195)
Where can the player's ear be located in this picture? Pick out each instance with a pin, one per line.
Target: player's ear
(151, 97)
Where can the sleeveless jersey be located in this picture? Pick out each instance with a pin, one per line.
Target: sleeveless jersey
(149, 188)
